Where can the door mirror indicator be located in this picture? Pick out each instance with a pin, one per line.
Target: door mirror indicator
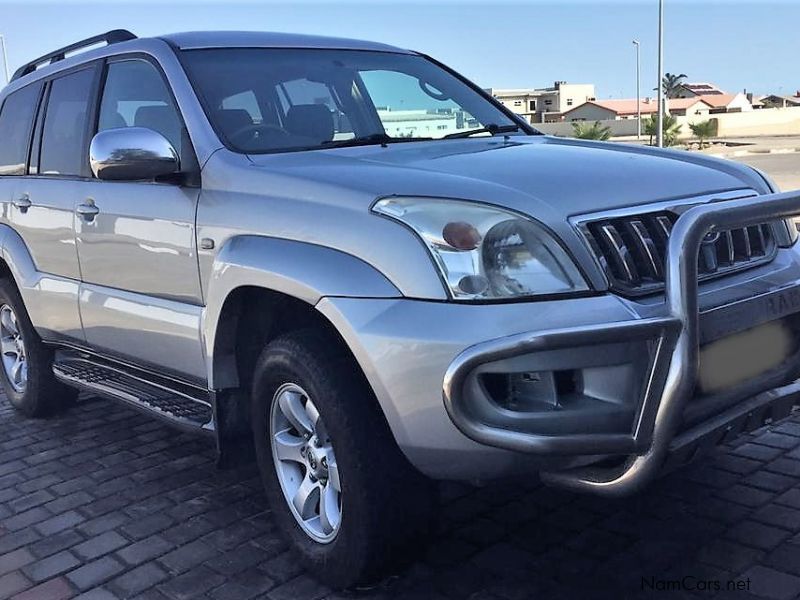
(132, 154)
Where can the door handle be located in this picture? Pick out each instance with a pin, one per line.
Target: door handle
(23, 203)
(87, 211)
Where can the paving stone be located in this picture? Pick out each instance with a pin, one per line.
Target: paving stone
(60, 522)
(55, 543)
(757, 535)
(96, 572)
(97, 594)
(12, 583)
(55, 589)
(246, 585)
(51, 566)
(14, 560)
(25, 519)
(779, 516)
(300, 587)
(100, 545)
(139, 579)
(778, 440)
(785, 466)
(24, 503)
(192, 583)
(785, 557)
(746, 495)
(146, 549)
(234, 561)
(188, 556)
(143, 528)
(773, 584)
(772, 482)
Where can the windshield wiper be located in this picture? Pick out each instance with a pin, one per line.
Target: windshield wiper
(375, 138)
(492, 128)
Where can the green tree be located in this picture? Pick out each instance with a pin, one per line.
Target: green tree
(671, 129)
(670, 84)
(595, 131)
(703, 130)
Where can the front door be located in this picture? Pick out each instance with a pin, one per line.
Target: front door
(140, 295)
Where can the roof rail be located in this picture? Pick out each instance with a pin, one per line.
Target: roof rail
(110, 37)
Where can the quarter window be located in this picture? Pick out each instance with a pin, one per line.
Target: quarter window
(64, 143)
(16, 120)
(135, 95)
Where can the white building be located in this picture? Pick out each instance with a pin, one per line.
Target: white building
(423, 123)
(540, 105)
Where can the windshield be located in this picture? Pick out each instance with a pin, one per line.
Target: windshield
(268, 100)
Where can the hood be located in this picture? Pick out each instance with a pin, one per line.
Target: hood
(541, 176)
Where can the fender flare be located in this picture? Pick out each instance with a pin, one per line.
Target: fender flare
(16, 255)
(307, 272)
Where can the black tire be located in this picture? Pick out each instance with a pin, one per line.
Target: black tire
(387, 506)
(42, 395)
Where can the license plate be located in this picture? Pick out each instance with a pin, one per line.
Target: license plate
(748, 313)
(745, 355)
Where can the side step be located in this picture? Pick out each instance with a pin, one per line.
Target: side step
(177, 404)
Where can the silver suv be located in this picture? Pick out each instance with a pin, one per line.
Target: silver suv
(346, 259)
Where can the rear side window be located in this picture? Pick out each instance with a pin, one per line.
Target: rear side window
(135, 95)
(16, 121)
(64, 143)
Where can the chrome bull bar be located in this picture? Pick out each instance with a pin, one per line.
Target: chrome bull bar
(673, 373)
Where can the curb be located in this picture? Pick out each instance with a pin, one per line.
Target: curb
(738, 153)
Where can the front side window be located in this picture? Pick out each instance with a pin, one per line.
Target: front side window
(16, 122)
(135, 95)
(267, 100)
(65, 125)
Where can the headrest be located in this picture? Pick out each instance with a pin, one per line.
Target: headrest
(313, 121)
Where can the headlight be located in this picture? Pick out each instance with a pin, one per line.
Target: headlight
(484, 252)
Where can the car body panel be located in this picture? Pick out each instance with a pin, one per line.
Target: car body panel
(158, 333)
(301, 270)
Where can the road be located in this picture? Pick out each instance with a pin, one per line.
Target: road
(783, 168)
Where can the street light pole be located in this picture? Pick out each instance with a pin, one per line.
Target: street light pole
(660, 125)
(5, 57)
(638, 94)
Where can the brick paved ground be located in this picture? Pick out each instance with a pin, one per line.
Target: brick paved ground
(109, 503)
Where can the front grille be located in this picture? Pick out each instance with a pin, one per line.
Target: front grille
(631, 250)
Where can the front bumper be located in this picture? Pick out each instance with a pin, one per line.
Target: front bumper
(406, 348)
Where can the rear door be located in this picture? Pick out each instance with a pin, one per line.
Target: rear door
(44, 197)
(140, 298)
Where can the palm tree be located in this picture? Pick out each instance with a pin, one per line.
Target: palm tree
(670, 84)
(595, 131)
(704, 130)
(671, 129)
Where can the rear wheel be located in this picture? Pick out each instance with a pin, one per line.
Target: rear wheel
(339, 487)
(26, 372)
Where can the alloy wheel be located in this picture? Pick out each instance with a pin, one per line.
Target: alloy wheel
(12, 347)
(305, 463)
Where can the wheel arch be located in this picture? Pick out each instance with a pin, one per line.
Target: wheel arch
(277, 273)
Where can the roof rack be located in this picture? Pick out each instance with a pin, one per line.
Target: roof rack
(110, 37)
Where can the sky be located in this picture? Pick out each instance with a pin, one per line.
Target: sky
(737, 44)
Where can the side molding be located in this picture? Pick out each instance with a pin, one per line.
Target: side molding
(304, 271)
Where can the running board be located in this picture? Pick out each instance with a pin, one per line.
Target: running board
(174, 403)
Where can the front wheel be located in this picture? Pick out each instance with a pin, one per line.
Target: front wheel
(339, 487)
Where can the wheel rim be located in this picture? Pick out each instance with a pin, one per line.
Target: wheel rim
(305, 463)
(12, 347)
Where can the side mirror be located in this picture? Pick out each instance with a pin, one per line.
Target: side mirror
(132, 154)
